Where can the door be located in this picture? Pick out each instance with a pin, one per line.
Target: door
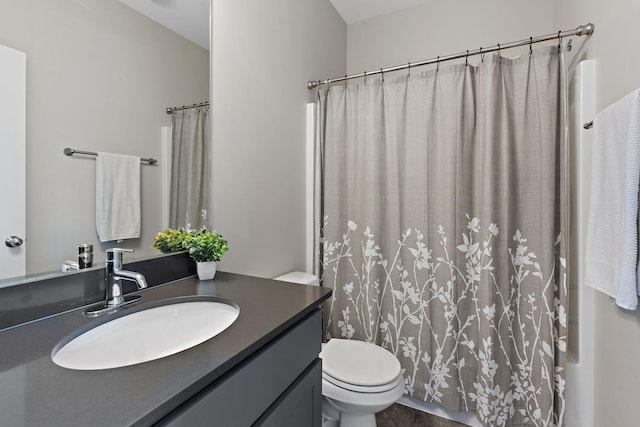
(12, 169)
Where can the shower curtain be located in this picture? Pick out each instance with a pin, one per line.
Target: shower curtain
(442, 212)
(190, 159)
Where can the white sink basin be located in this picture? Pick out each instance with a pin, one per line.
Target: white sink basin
(145, 335)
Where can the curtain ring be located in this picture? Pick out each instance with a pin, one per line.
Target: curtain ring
(559, 40)
(499, 55)
(409, 67)
(365, 77)
(345, 81)
(382, 74)
(481, 55)
(466, 59)
(531, 45)
(437, 63)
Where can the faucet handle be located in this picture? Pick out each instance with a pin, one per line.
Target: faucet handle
(115, 250)
(115, 255)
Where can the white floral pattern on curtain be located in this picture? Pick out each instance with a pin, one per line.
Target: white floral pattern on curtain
(416, 291)
(441, 235)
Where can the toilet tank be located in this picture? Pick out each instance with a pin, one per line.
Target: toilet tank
(299, 277)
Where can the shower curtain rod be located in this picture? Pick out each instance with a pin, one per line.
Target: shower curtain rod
(170, 110)
(582, 30)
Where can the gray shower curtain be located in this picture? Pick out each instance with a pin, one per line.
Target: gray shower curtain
(190, 159)
(442, 216)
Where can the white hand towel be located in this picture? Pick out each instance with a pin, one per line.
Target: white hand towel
(612, 226)
(117, 197)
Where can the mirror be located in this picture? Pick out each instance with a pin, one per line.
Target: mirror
(99, 77)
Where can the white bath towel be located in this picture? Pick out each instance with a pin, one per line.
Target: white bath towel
(117, 197)
(611, 253)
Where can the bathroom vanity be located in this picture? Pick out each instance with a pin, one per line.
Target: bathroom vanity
(262, 370)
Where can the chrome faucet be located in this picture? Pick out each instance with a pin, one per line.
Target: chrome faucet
(113, 275)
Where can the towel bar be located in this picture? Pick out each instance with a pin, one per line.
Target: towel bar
(71, 152)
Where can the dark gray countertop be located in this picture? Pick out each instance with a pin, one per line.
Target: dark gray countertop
(36, 392)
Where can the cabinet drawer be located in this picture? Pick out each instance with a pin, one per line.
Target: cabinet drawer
(247, 391)
(301, 404)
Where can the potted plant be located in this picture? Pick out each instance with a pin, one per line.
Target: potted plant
(205, 248)
(168, 241)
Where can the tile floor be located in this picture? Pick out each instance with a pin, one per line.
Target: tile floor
(403, 416)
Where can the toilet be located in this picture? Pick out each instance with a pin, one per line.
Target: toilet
(358, 378)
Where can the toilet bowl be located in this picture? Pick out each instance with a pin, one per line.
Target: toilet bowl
(358, 378)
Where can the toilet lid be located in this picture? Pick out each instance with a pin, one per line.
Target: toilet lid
(359, 363)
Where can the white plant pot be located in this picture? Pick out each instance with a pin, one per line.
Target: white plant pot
(206, 270)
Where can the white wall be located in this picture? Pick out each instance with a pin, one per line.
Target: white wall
(617, 336)
(99, 76)
(263, 53)
(443, 27)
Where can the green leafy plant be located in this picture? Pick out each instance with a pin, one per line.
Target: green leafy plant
(205, 245)
(169, 241)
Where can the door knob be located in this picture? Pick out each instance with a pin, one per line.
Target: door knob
(13, 241)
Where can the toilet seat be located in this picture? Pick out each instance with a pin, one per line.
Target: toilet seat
(363, 389)
(362, 402)
(359, 366)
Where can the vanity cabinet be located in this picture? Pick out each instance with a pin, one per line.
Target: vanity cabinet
(279, 385)
(263, 370)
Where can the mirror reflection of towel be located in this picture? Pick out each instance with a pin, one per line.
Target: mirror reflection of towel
(117, 197)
